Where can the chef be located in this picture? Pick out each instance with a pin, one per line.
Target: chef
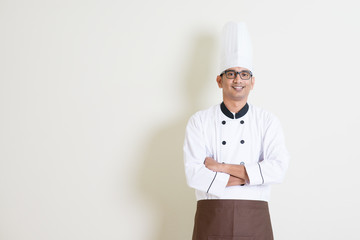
(234, 151)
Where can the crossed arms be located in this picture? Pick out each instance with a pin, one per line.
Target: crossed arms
(238, 174)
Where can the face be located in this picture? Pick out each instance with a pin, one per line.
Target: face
(235, 89)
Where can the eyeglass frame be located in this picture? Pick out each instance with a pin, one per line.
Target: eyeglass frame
(236, 73)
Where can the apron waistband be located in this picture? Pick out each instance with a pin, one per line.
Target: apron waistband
(226, 203)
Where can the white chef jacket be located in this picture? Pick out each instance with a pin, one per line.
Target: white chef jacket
(252, 137)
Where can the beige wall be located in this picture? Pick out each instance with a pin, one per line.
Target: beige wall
(95, 96)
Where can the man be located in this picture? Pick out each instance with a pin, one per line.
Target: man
(234, 151)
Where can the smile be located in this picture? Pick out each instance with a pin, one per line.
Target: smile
(238, 87)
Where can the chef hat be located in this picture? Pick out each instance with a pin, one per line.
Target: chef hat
(236, 48)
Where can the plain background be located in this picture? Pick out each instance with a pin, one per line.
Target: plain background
(95, 96)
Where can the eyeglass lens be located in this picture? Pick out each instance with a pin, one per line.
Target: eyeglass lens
(244, 75)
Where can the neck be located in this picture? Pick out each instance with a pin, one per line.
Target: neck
(234, 106)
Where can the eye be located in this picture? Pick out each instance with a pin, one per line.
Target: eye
(230, 74)
(245, 75)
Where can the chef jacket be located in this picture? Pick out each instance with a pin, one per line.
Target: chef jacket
(252, 137)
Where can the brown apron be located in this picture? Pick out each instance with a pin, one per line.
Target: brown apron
(232, 220)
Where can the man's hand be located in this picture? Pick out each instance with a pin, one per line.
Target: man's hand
(212, 164)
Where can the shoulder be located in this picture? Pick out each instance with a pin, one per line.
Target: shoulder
(205, 115)
(260, 112)
(263, 115)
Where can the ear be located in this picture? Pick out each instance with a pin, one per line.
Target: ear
(252, 83)
(219, 81)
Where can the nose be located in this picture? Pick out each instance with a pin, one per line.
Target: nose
(237, 77)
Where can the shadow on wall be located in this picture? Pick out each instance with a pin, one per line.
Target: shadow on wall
(162, 180)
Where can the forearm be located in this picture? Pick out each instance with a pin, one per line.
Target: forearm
(238, 171)
(234, 170)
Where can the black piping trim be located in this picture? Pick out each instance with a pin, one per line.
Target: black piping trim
(229, 114)
(211, 183)
(261, 174)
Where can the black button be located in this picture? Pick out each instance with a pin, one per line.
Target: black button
(223, 142)
(242, 141)
(223, 122)
(242, 121)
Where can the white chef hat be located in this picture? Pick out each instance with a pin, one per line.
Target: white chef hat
(236, 48)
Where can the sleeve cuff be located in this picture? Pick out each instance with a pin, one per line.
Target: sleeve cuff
(255, 174)
(218, 184)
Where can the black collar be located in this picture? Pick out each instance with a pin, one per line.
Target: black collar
(229, 114)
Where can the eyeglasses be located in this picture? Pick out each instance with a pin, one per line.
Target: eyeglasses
(231, 74)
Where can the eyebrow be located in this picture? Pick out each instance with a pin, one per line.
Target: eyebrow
(245, 70)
